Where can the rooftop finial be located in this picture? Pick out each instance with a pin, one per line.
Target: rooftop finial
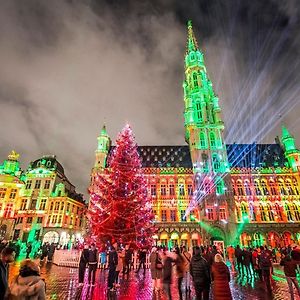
(192, 44)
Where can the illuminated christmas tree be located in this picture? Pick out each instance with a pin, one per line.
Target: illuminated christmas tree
(120, 208)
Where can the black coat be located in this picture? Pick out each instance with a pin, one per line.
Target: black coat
(112, 258)
(84, 258)
(3, 279)
(92, 256)
(167, 270)
(199, 269)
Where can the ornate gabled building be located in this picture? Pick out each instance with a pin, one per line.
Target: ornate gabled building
(11, 184)
(209, 191)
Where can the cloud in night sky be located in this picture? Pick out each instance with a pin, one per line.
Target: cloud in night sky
(68, 67)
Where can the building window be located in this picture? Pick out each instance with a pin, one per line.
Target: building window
(23, 204)
(59, 219)
(278, 212)
(195, 80)
(244, 211)
(8, 211)
(68, 207)
(270, 212)
(262, 213)
(29, 220)
(222, 214)
(240, 188)
(43, 204)
(288, 185)
(210, 213)
(190, 189)
(220, 186)
(19, 220)
(281, 187)
(202, 140)
(181, 190)
(2, 193)
(62, 206)
(163, 215)
(153, 190)
(252, 212)
(173, 215)
(51, 206)
(47, 184)
(56, 206)
(28, 184)
(272, 188)
(288, 212)
(39, 220)
(172, 190)
(182, 215)
(212, 138)
(296, 212)
(54, 219)
(199, 112)
(264, 187)
(37, 184)
(216, 162)
(163, 190)
(33, 204)
(257, 189)
(247, 188)
(13, 194)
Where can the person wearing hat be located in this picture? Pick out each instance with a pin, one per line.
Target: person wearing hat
(28, 284)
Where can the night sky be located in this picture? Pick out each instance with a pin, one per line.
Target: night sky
(68, 67)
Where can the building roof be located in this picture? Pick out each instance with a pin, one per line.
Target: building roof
(49, 162)
(239, 156)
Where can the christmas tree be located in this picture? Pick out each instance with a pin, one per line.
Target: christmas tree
(120, 208)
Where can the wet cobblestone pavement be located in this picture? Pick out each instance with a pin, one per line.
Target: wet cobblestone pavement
(62, 284)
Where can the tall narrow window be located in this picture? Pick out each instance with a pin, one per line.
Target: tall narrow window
(195, 80)
(199, 112)
(13, 194)
(296, 212)
(181, 190)
(47, 184)
(216, 162)
(264, 187)
(244, 211)
(182, 215)
(33, 204)
(282, 187)
(252, 212)
(262, 213)
(257, 189)
(43, 204)
(153, 190)
(190, 189)
(23, 204)
(28, 184)
(202, 140)
(173, 215)
(278, 212)
(220, 186)
(2, 193)
(240, 188)
(289, 188)
(37, 184)
(222, 214)
(272, 187)
(163, 190)
(172, 190)
(270, 212)
(210, 213)
(247, 188)
(288, 212)
(212, 138)
(163, 215)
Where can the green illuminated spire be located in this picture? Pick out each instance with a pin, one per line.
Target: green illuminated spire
(11, 165)
(104, 143)
(192, 44)
(291, 153)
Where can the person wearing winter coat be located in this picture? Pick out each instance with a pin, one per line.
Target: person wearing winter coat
(119, 267)
(180, 270)
(7, 256)
(221, 277)
(84, 258)
(28, 285)
(247, 256)
(200, 272)
(93, 263)
(289, 267)
(112, 265)
(156, 267)
(167, 273)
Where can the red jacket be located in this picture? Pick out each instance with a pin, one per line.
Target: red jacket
(221, 278)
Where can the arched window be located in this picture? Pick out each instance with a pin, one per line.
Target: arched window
(202, 140)
(295, 183)
(247, 188)
(270, 212)
(289, 188)
(212, 138)
(296, 212)
(220, 186)
(195, 80)
(272, 187)
(244, 211)
(240, 188)
(258, 239)
(264, 187)
(252, 212)
(288, 212)
(216, 162)
(238, 212)
(262, 213)
(278, 212)
(282, 187)
(257, 189)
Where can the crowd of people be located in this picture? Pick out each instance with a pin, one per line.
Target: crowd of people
(203, 268)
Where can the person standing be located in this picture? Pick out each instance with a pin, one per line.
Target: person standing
(84, 258)
(180, 270)
(103, 259)
(119, 266)
(28, 284)
(112, 264)
(7, 256)
(142, 259)
(230, 253)
(200, 273)
(289, 268)
(156, 267)
(239, 259)
(221, 278)
(246, 254)
(128, 260)
(51, 252)
(93, 263)
(265, 264)
(186, 273)
(167, 273)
